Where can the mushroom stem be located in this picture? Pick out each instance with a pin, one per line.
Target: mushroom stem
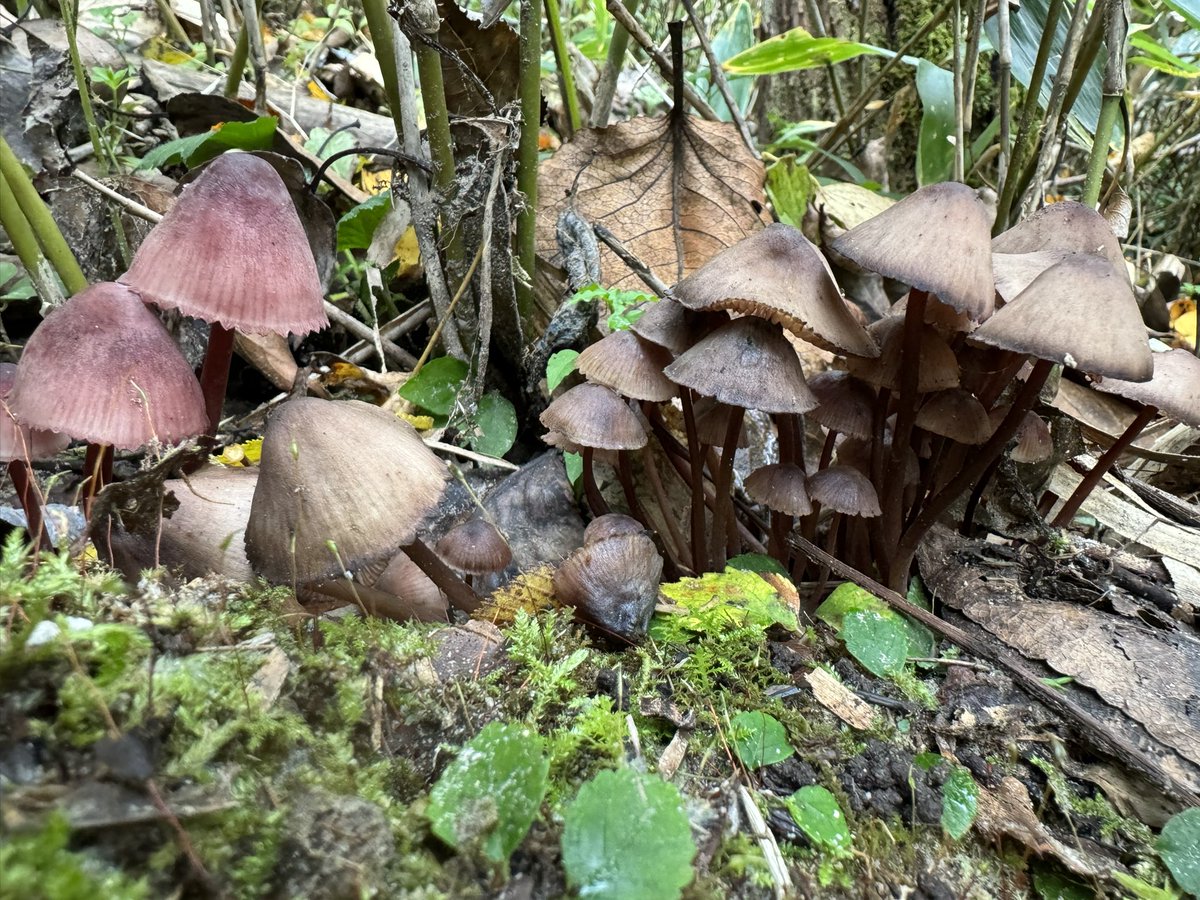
(460, 594)
(625, 475)
(697, 477)
(678, 546)
(214, 376)
(892, 494)
(97, 472)
(723, 489)
(594, 498)
(968, 521)
(827, 450)
(28, 495)
(1106, 462)
(901, 560)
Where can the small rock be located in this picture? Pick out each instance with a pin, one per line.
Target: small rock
(337, 848)
(469, 650)
(47, 630)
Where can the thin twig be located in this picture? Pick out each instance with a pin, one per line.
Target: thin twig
(717, 72)
(462, 289)
(639, 268)
(128, 204)
(471, 455)
(397, 327)
(364, 332)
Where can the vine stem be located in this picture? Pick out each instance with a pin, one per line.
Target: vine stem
(566, 76)
(1116, 29)
(530, 95)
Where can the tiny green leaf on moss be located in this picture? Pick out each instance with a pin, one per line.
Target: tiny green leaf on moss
(1179, 847)
(759, 739)
(820, 817)
(960, 802)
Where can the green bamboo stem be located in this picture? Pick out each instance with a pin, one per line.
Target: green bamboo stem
(380, 26)
(172, 23)
(70, 12)
(237, 64)
(1116, 31)
(527, 153)
(25, 245)
(563, 56)
(1109, 107)
(44, 228)
(437, 116)
(606, 88)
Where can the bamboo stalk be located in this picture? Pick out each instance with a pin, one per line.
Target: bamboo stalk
(562, 56)
(606, 87)
(527, 155)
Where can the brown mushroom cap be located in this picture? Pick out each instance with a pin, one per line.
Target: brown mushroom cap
(476, 547)
(844, 489)
(1013, 272)
(1063, 226)
(712, 422)
(937, 239)
(340, 471)
(232, 251)
(1034, 441)
(778, 274)
(746, 363)
(856, 452)
(955, 414)
(611, 525)
(1174, 389)
(847, 404)
(403, 578)
(668, 324)
(17, 441)
(1080, 313)
(939, 366)
(591, 415)
(613, 583)
(102, 368)
(629, 365)
(781, 487)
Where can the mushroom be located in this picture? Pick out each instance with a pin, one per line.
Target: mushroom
(232, 251)
(475, 547)
(667, 323)
(613, 583)
(847, 492)
(19, 446)
(417, 593)
(955, 414)
(1174, 389)
(783, 489)
(611, 525)
(1065, 226)
(103, 369)
(629, 365)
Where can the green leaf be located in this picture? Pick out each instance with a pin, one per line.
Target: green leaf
(789, 187)
(717, 602)
(1155, 56)
(759, 739)
(1179, 847)
(487, 798)
(573, 463)
(960, 802)
(14, 283)
(1136, 889)
(1053, 885)
(757, 562)
(849, 597)
(323, 143)
(817, 813)
(794, 50)
(1189, 10)
(734, 36)
(558, 367)
(879, 643)
(200, 148)
(435, 387)
(495, 428)
(356, 228)
(626, 837)
(935, 142)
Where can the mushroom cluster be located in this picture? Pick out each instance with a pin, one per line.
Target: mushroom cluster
(918, 408)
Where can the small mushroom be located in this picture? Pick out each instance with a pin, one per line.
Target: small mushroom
(783, 489)
(19, 446)
(611, 525)
(629, 365)
(613, 583)
(475, 547)
(955, 414)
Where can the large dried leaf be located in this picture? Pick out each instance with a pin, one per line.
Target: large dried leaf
(492, 53)
(674, 218)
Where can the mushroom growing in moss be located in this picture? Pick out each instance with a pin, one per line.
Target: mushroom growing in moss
(19, 446)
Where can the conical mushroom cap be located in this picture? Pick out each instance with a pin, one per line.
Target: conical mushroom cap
(844, 489)
(1013, 272)
(102, 368)
(1174, 389)
(1034, 441)
(17, 441)
(629, 365)
(403, 578)
(847, 404)
(1081, 313)
(340, 471)
(781, 487)
(591, 415)
(746, 363)
(613, 583)
(475, 547)
(232, 251)
(955, 414)
(778, 274)
(609, 525)
(937, 239)
(667, 323)
(939, 366)
(1064, 226)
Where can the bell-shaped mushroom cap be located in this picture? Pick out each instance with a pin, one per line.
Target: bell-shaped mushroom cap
(1063, 226)
(939, 366)
(779, 275)
(205, 534)
(611, 525)
(102, 368)
(403, 578)
(591, 415)
(746, 363)
(1174, 389)
(232, 250)
(712, 423)
(667, 323)
(17, 441)
(628, 365)
(613, 583)
(844, 489)
(1081, 313)
(847, 404)
(955, 414)
(476, 547)
(782, 487)
(1034, 442)
(937, 239)
(343, 472)
(1013, 272)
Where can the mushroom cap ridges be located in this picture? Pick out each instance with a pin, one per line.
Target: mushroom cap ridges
(781, 487)
(629, 365)
(17, 441)
(340, 472)
(844, 489)
(1081, 313)
(1063, 226)
(955, 414)
(746, 363)
(937, 239)
(613, 583)
(592, 415)
(475, 546)
(102, 368)
(1174, 389)
(232, 250)
(778, 274)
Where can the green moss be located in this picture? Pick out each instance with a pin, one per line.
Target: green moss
(40, 865)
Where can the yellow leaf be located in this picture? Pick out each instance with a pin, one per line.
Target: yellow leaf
(421, 423)
(165, 52)
(375, 182)
(1183, 321)
(247, 453)
(408, 253)
(318, 92)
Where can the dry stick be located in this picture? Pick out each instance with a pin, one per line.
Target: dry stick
(364, 332)
(462, 289)
(1116, 27)
(971, 66)
(1026, 677)
(606, 88)
(1004, 77)
(718, 77)
(639, 268)
(258, 55)
(630, 24)
(407, 321)
(959, 93)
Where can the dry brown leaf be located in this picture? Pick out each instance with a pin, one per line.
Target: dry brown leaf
(492, 53)
(674, 218)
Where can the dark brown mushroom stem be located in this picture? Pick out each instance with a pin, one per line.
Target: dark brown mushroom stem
(696, 464)
(892, 492)
(629, 489)
(27, 496)
(591, 491)
(723, 489)
(1106, 462)
(968, 520)
(901, 560)
(97, 472)
(214, 375)
(460, 594)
